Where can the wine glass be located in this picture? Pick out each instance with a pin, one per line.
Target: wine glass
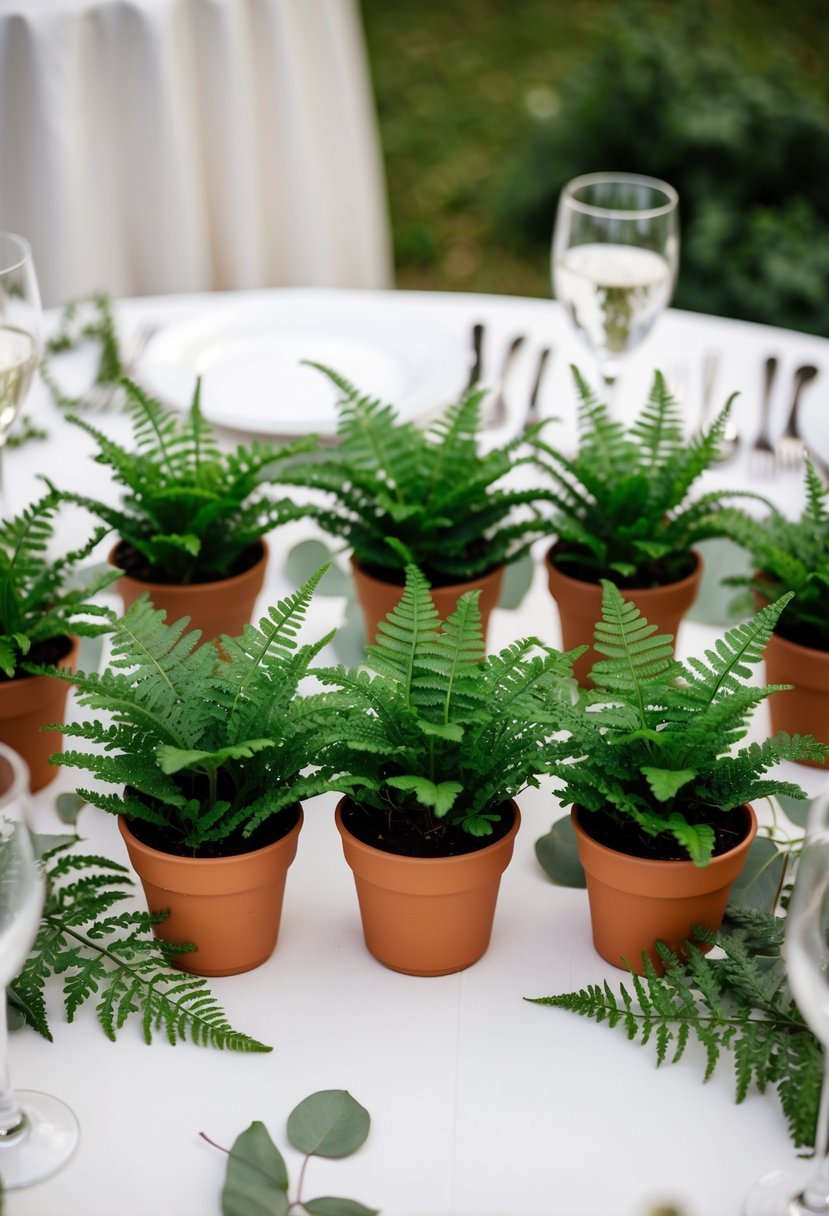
(803, 1189)
(20, 332)
(614, 260)
(38, 1133)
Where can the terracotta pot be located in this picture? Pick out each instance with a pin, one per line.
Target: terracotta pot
(378, 598)
(427, 916)
(223, 606)
(228, 907)
(27, 704)
(580, 607)
(635, 902)
(804, 710)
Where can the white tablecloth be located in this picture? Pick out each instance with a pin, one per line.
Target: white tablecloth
(152, 146)
(482, 1104)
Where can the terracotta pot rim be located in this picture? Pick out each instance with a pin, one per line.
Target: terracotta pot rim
(215, 863)
(475, 581)
(811, 653)
(649, 864)
(637, 591)
(230, 581)
(416, 863)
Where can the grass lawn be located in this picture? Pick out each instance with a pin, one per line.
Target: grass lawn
(460, 84)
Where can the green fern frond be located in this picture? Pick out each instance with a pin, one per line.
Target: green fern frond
(441, 735)
(399, 495)
(621, 505)
(732, 1004)
(115, 961)
(190, 509)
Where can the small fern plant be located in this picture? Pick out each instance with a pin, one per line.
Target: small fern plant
(113, 957)
(791, 555)
(44, 600)
(654, 740)
(621, 506)
(440, 737)
(205, 742)
(399, 495)
(191, 512)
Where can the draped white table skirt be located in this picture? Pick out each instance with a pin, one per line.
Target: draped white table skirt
(152, 146)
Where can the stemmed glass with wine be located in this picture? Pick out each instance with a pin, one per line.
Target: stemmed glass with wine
(20, 333)
(802, 1189)
(38, 1133)
(614, 260)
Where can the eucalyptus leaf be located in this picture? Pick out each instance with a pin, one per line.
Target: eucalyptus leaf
(306, 557)
(44, 842)
(69, 805)
(518, 578)
(795, 809)
(257, 1180)
(328, 1205)
(758, 885)
(329, 1123)
(558, 855)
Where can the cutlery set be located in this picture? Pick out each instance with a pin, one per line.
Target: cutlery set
(787, 451)
(766, 455)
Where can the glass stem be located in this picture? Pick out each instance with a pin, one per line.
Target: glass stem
(816, 1193)
(11, 1119)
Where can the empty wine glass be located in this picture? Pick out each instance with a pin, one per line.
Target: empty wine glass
(803, 1188)
(38, 1133)
(20, 333)
(614, 260)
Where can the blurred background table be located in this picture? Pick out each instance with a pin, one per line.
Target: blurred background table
(482, 1104)
(184, 145)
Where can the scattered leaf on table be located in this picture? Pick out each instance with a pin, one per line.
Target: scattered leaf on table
(329, 1123)
(558, 855)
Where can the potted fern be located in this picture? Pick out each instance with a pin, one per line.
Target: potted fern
(793, 555)
(621, 511)
(435, 747)
(193, 517)
(44, 611)
(212, 751)
(661, 800)
(399, 495)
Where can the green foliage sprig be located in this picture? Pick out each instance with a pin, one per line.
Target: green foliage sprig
(113, 957)
(43, 597)
(400, 495)
(621, 505)
(329, 1123)
(791, 555)
(442, 734)
(655, 740)
(739, 1003)
(205, 742)
(190, 509)
(85, 319)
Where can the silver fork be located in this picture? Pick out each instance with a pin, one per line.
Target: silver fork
(790, 447)
(496, 414)
(763, 457)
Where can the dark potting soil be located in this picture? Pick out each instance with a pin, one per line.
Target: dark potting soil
(135, 565)
(435, 578)
(401, 834)
(649, 576)
(165, 841)
(50, 652)
(730, 828)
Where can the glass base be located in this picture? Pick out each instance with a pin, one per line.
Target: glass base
(778, 1193)
(44, 1145)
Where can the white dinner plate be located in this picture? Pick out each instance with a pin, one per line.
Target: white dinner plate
(250, 357)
